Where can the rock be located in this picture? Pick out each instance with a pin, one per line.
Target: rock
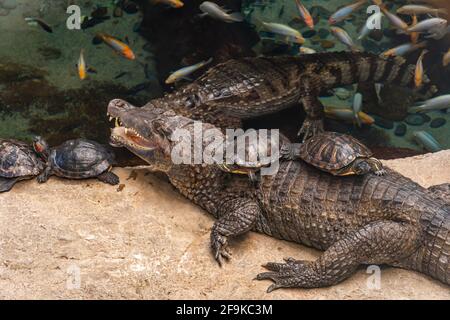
(4, 12)
(327, 44)
(400, 130)
(130, 7)
(9, 4)
(152, 243)
(309, 34)
(118, 12)
(438, 122)
(376, 35)
(415, 119)
(383, 123)
(323, 33)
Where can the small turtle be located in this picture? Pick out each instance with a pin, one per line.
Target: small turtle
(340, 155)
(76, 159)
(18, 162)
(254, 155)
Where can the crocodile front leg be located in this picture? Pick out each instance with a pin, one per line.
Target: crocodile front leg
(378, 242)
(237, 217)
(314, 109)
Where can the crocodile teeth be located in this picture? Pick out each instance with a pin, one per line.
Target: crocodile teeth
(117, 122)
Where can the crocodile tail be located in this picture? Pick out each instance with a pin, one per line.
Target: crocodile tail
(433, 257)
(345, 68)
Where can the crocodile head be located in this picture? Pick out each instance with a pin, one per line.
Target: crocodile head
(147, 131)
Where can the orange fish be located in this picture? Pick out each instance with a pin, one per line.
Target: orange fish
(414, 35)
(418, 74)
(122, 48)
(82, 71)
(304, 13)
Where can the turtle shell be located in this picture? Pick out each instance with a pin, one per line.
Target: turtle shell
(331, 151)
(17, 159)
(81, 158)
(253, 154)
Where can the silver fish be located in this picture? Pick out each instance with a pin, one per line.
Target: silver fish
(427, 141)
(437, 103)
(216, 12)
(356, 107)
(429, 24)
(184, 72)
(412, 9)
(344, 12)
(343, 37)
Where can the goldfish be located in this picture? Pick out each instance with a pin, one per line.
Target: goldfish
(415, 9)
(446, 59)
(82, 70)
(344, 12)
(173, 3)
(343, 37)
(216, 12)
(418, 74)
(284, 30)
(304, 13)
(428, 25)
(122, 48)
(414, 35)
(437, 103)
(427, 141)
(403, 49)
(347, 115)
(184, 72)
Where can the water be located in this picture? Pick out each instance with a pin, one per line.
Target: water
(41, 93)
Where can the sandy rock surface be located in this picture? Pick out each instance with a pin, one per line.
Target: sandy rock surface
(85, 239)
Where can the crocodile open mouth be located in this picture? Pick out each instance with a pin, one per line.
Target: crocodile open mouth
(123, 136)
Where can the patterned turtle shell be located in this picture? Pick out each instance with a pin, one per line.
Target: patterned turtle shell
(332, 151)
(17, 159)
(80, 159)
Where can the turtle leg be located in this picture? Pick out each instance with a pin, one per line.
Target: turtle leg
(43, 177)
(109, 178)
(376, 166)
(313, 123)
(6, 184)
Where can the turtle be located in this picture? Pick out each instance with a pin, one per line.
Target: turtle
(339, 154)
(76, 159)
(332, 152)
(18, 161)
(253, 155)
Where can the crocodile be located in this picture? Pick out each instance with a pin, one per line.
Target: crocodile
(244, 88)
(355, 220)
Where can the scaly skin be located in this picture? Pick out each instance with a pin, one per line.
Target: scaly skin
(356, 220)
(250, 87)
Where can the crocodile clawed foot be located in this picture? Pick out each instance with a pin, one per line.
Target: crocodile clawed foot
(293, 273)
(219, 244)
(310, 128)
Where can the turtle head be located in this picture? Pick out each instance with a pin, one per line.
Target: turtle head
(361, 166)
(147, 131)
(40, 146)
